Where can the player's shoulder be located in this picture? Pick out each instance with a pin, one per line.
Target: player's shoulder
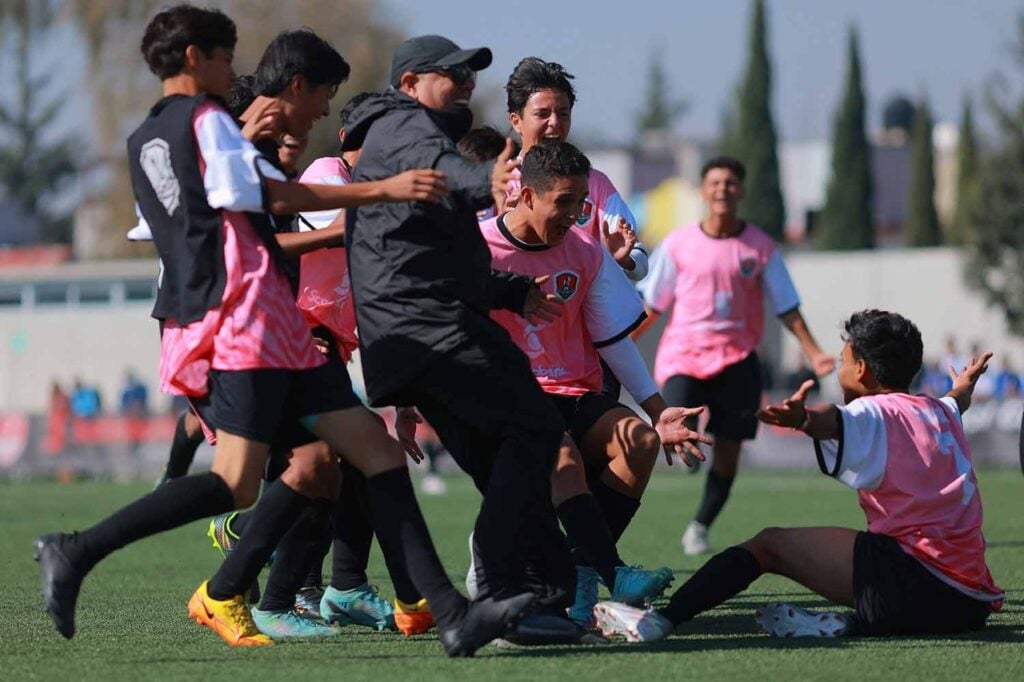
(682, 235)
(585, 245)
(756, 236)
(489, 229)
(324, 167)
(600, 184)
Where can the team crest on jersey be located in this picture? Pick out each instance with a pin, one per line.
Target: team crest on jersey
(155, 159)
(748, 266)
(584, 217)
(566, 284)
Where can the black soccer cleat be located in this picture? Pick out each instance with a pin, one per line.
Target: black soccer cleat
(61, 581)
(485, 620)
(545, 629)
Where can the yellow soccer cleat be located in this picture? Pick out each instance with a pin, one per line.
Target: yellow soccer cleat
(413, 619)
(230, 618)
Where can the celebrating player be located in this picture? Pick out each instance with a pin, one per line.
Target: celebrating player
(920, 566)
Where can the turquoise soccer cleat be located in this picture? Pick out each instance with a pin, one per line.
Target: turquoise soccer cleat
(358, 606)
(582, 610)
(636, 586)
(291, 624)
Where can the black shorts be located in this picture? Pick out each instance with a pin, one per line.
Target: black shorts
(581, 412)
(894, 594)
(732, 397)
(267, 405)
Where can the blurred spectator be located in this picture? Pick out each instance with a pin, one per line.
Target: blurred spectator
(57, 420)
(85, 401)
(985, 389)
(134, 397)
(1008, 382)
(935, 379)
(953, 357)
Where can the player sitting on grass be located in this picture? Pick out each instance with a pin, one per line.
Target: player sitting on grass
(920, 566)
(606, 459)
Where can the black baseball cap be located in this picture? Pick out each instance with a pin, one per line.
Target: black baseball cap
(424, 53)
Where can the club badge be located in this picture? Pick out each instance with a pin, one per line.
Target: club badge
(585, 215)
(566, 284)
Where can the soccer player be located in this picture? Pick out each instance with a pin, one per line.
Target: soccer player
(232, 333)
(920, 566)
(607, 440)
(540, 102)
(713, 277)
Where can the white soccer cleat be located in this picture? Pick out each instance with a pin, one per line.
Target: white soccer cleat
(432, 484)
(140, 233)
(471, 587)
(636, 625)
(786, 620)
(695, 539)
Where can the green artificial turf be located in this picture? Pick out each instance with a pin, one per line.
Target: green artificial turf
(132, 623)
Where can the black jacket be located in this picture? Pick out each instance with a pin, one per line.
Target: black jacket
(421, 273)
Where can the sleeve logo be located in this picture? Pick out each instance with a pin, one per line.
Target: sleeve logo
(155, 159)
(586, 214)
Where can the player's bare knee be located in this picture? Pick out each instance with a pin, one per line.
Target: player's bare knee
(568, 480)
(244, 492)
(646, 446)
(765, 547)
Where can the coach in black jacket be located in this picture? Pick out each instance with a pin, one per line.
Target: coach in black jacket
(423, 289)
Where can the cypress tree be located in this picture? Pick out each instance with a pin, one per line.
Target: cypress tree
(961, 231)
(922, 228)
(757, 137)
(847, 221)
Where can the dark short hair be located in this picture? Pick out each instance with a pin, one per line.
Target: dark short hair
(532, 75)
(889, 343)
(242, 95)
(345, 115)
(550, 160)
(727, 162)
(482, 144)
(299, 53)
(174, 29)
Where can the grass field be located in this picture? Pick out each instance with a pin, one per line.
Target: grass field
(132, 622)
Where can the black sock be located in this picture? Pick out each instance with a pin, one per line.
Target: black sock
(618, 509)
(293, 557)
(716, 492)
(317, 553)
(353, 533)
(173, 504)
(273, 515)
(183, 449)
(589, 536)
(403, 534)
(724, 575)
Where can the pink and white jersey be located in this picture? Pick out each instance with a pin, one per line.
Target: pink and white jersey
(601, 306)
(325, 292)
(908, 459)
(256, 325)
(603, 203)
(715, 289)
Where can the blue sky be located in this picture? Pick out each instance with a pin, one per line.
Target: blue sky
(944, 48)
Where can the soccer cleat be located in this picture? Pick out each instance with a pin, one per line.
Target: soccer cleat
(636, 625)
(582, 611)
(220, 532)
(786, 620)
(695, 539)
(230, 618)
(432, 484)
(472, 589)
(61, 580)
(413, 619)
(637, 587)
(544, 629)
(292, 624)
(358, 606)
(485, 620)
(307, 600)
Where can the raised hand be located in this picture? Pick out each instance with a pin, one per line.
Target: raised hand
(969, 375)
(262, 119)
(502, 174)
(677, 438)
(539, 306)
(415, 185)
(823, 364)
(406, 419)
(619, 243)
(791, 411)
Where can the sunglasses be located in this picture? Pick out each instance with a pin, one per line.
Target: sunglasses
(457, 74)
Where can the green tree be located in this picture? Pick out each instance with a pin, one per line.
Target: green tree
(847, 221)
(661, 110)
(922, 227)
(961, 231)
(756, 139)
(34, 166)
(996, 261)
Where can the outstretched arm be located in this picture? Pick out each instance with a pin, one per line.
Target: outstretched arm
(821, 363)
(821, 423)
(964, 380)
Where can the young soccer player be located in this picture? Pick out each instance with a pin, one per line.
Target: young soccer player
(606, 439)
(920, 566)
(713, 276)
(231, 331)
(540, 102)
